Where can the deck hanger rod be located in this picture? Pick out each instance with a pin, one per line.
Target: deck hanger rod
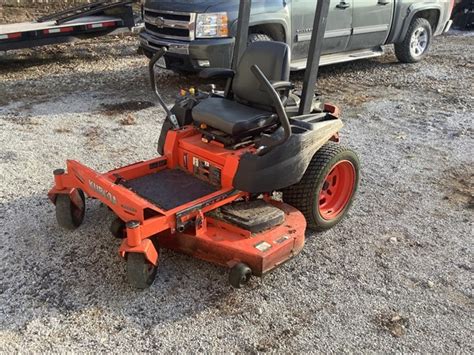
(314, 55)
(242, 34)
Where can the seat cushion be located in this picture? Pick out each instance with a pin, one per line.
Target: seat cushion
(231, 117)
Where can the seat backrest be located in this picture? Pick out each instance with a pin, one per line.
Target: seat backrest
(273, 58)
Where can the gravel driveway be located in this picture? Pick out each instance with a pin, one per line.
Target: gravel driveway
(395, 276)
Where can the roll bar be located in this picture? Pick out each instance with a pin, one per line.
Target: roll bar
(151, 68)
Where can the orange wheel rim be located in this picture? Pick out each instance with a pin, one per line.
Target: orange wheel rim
(337, 190)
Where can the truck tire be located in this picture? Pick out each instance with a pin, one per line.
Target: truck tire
(259, 37)
(416, 43)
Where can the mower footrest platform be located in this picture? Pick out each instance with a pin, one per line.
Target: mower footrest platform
(170, 188)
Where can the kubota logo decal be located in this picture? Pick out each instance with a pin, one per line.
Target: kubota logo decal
(103, 192)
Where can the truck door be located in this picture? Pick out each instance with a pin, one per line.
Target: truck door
(338, 29)
(371, 23)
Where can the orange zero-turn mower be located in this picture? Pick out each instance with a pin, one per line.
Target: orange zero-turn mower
(211, 193)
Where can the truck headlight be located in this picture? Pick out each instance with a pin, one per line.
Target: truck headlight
(212, 25)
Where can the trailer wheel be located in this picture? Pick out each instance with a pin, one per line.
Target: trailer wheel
(326, 191)
(118, 228)
(140, 272)
(239, 275)
(70, 209)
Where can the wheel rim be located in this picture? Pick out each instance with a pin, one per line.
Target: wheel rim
(418, 42)
(337, 190)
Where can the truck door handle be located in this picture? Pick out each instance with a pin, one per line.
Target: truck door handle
(383, 2)
(343, 5)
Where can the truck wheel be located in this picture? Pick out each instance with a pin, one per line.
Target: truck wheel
(70, 209)
(326, 191)
(259, 37)
(416, 43)
(140, 272)
(239, 275)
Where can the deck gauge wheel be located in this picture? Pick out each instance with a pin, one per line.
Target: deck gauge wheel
(70, 209)
(140, 272)
(239, 275)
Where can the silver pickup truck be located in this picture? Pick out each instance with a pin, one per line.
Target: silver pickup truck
(199, 34)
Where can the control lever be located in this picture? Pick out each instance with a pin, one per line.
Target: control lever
(151, 66)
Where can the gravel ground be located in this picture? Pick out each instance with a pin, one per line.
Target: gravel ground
(396, 275)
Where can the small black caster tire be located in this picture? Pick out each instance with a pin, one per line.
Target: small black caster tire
(239, 275)
(140, 272)
(118, 228)
(70, 215)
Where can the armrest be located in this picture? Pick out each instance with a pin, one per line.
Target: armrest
(277, 104)
(282, 85)
(220, 73)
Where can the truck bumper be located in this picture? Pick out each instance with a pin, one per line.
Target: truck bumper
(191, 56)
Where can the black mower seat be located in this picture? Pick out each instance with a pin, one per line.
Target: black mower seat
(251, 109)
(231, 117)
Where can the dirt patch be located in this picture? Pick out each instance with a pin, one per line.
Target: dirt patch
(394, 323)
(127, 106)
(128, 121)
(460, 186)
(62, 130)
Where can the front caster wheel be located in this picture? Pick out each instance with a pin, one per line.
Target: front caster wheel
(140, 272)
(118, 228)
(239, 275)
(70, 209)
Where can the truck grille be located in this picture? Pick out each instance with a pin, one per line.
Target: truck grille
(170, 24)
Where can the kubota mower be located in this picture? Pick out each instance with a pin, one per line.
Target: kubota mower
(211, 193)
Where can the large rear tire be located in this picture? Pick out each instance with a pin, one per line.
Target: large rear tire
(326, 191)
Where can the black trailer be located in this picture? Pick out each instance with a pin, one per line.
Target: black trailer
(84, 21)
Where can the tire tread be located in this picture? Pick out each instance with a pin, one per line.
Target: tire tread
(301, 195)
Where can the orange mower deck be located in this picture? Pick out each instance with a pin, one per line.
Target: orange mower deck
(209, 238)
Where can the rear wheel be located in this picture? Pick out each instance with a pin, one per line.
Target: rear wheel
(70, 209)
(140, 272)
(326, 191)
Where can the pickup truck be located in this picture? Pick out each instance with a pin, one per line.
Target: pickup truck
(200, 33)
